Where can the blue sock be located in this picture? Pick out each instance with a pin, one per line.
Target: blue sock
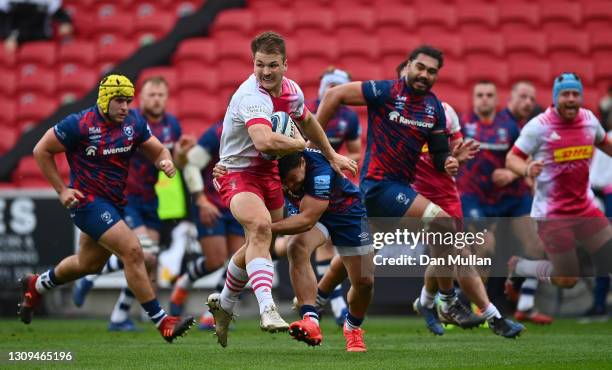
(308, 311)
(600, 293)
(154, 310)
(352, 322)
(197, 269)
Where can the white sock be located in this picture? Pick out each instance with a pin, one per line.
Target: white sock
(113, 264)
(91, 278)
(427, 299)
(122, 307)
(446, 300)
(527, 297)
(491, 312)
(540, 269)
(235, 281)
(183, 282)
(338, 304)
(46, 281)
(261, 274)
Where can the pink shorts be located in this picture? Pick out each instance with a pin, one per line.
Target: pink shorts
(266, 186)
(559, 233)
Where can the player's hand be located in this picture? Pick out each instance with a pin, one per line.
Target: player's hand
(209, 213)
(341, 163)
(502, 177)
(219, 171)
(70, 198)
(168, 167)
(466, 150)
(534, 169)
(297, 135)
(185, 143)
(451, 166)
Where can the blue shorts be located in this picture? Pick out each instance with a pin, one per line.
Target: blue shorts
(387, 198)
(142, 213)
(608, 204)
(473, 208)
(349, 232)
(225, 225)
(97, 216)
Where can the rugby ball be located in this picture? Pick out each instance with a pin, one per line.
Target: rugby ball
(281, 124)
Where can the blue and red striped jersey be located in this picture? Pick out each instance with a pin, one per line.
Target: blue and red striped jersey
(210, 141)
(344, 126)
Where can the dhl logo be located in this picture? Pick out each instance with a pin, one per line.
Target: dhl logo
(425, 148)
(573, 153)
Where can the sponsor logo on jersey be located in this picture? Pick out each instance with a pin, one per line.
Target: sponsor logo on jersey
(123, 149)
(430, 111)
(398, 118)
(91, 150)
(554, 136)
(425, 148)
(95, 130)
(402, 198)
(375, 91)
(400, 102)
(106, 217)
(573, 153)
(128, 131)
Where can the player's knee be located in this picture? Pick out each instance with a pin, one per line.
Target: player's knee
(565, 282)
(260, 227)
(363, 284)
(92, 267)
(297, 250)
(133, 255)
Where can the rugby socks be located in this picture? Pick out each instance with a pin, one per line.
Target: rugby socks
(427, 299)
(122, 307)
(113, 264)
(527, 297)
(338, 304)
(309, 312)
(154, 310)
(447, 298)
(352, 322)
(91, 278)
(540, 269)
(261, 274)
(236, 279)
(46, 281)
(491, 312)
(221, 281)
(322, 298)
(197, 269)
(322, 267)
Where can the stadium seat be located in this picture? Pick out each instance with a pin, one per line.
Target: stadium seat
(9, 82)
(485, 68)
(600, 41)
(561, 12)
(108, 25)
(31, 108)
(186, 7)
(353, 21)
(232, 74)
(237, 49)
(435, 14)
(199, 106)
(38, 52)
(453, 73)
(7, 59)
(457, 97)
(395, 48)
(597, 16)
(534, 69)
(394, 21)
(233, 23)
(306, 26)
(364, 71)
(279, 20)
(475, 16)
(75, 81)
(195, 127)
(517, 16)
(198, 80)
(156, 25)
(583, 67)
(77, 51)
(34, 78)
(8, 138)
(324, 49)
(524, 42)
(449, 43)
(9, 115)
(195, 51)
(357, 49)
(570, 41)
(483, 43)
(113, 50)
(168, 73)
(603, 69)
(28, 174)
(270, 4)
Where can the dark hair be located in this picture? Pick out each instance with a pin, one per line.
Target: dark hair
(400, 68)
(269, 43)
(429, 51)
(521, 82)
(484, 82)
(289, 162)
(155, 80)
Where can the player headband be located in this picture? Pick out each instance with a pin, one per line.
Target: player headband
(112, 86)
(566, 81)
(335, 77)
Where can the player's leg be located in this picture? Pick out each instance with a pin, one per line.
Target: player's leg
(360, 270)
(424, 304)
(323, 258)
(304, 282)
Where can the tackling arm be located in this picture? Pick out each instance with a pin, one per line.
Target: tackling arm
(311, 210)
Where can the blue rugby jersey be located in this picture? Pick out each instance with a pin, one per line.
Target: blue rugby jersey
(210, 141)
(399, 123)
(496, 139)
(99, 152)
(344, 126)
(143, 174)
(322, 182)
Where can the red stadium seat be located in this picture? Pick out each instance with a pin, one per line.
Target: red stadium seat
(33, 78)
(583, 67)
(204, 107)
(278, 20)
(113, 50)
(31, 108)
(8, 138)
(453, 72)
(354, 20)
(38, 52)
(198, 80)
(597, 17)
(561, 12)
(119, 25)
(477, 16)
(77, 51)
(9, 114)
(525, 42)
(394, 49)
(457, 97)
(450, 44)
(325, 49)
(7, 59)
(270, 4)
(483, 68)
(195, 51)
(394, 20)
(603, 68)
(195, 127)
(359, 48)
(9, 82)
(170, 74)
(600, 41)
(231, 74)
(156, 25)
(29, 175)
(435, 14)
(488, 43)
(238, 49)
(186, 7)
(314, 28)
(364, 71)
(233, 23)
(534, 69)
(571, 41)
(518, 15)
(76, 80)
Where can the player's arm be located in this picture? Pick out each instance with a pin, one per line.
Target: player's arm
(353, 149)
(606, 145)
(440, 153)
(181, 148)
(311, 210)
(518, 162)
(157, 153)
(267, 141)
(347, 94)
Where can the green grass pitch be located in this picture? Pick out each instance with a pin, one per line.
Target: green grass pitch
(393, 342)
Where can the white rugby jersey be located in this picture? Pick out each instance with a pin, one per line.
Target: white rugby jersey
(562, 189)
(252, 104)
